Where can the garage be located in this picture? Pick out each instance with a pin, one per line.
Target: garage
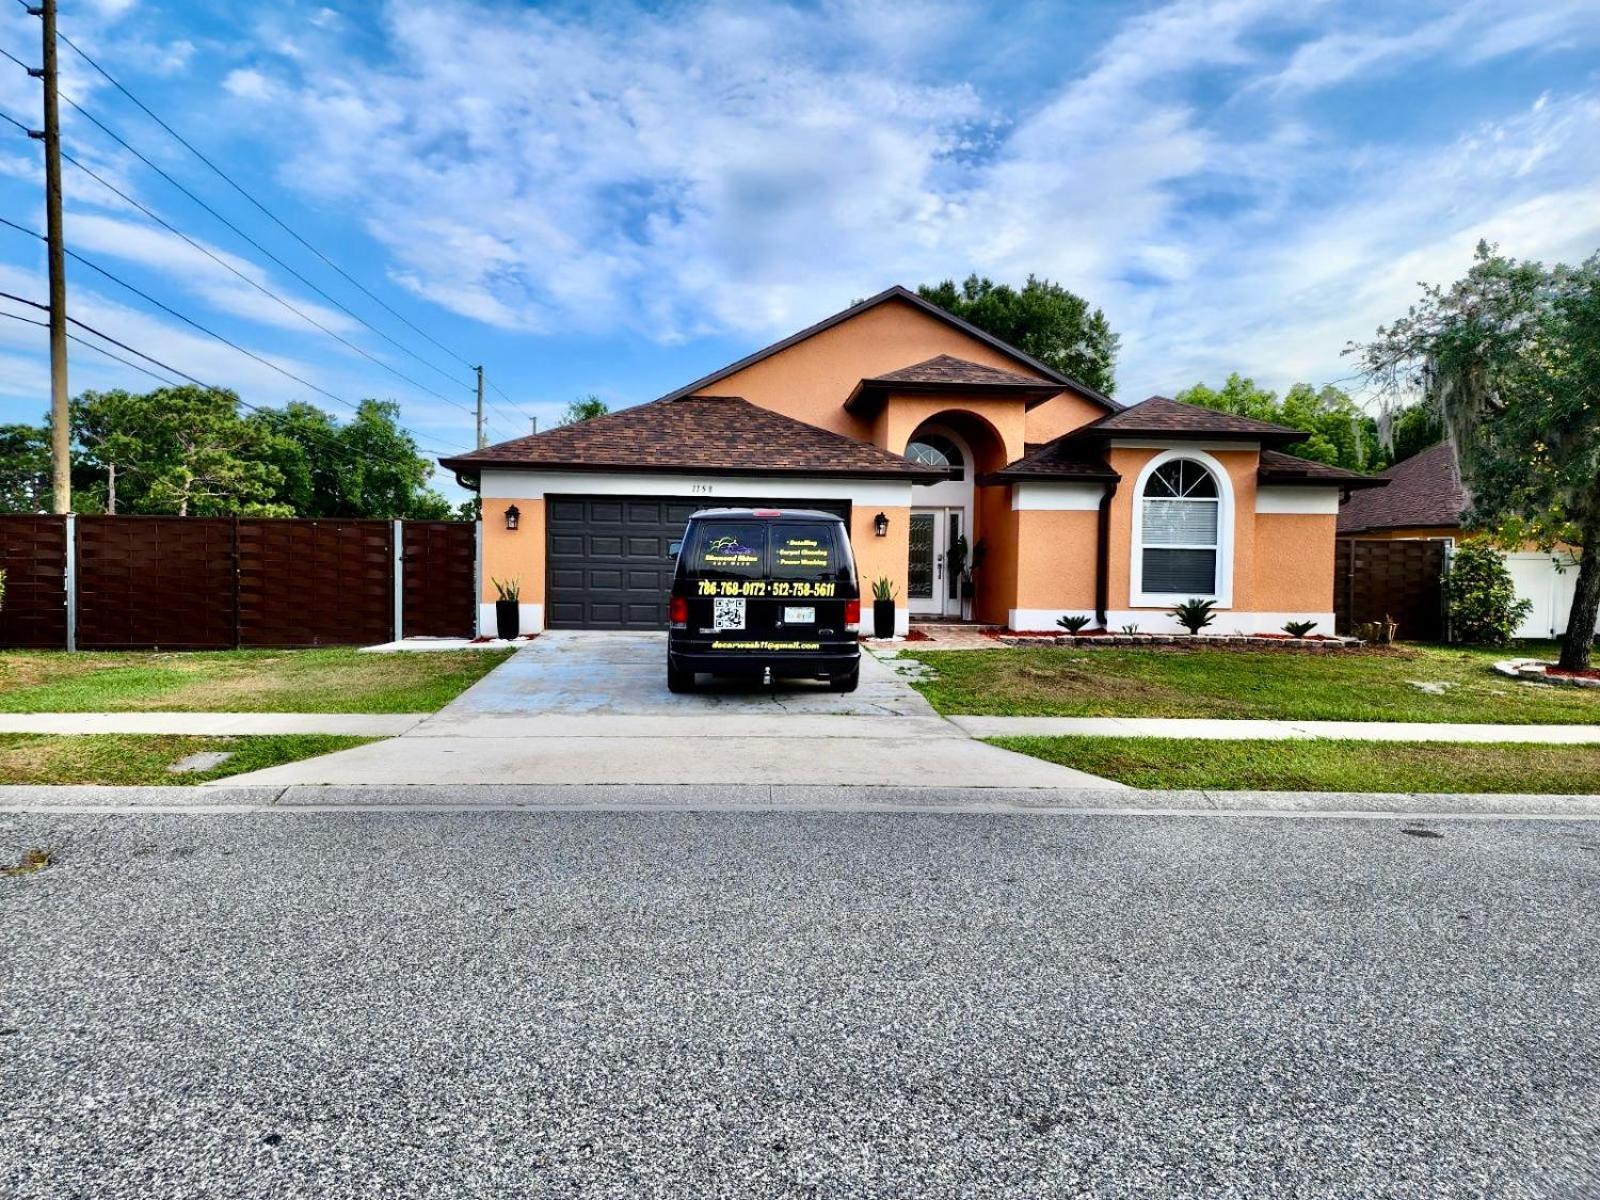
(606, 556)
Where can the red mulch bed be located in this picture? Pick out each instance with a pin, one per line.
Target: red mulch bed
(1592, 673)
(916, 635)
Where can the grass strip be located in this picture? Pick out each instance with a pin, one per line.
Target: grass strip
(335, 680)
(1412, 683)
(1318, 765)
(129, 759)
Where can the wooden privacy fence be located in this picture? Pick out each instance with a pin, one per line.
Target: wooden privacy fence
(207, 583)
(1400, 578)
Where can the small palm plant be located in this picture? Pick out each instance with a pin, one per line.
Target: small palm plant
(1298, 628)
(1194, 615)
(1131, 628)
(883, 588)
(507, 589)
(1072, 624)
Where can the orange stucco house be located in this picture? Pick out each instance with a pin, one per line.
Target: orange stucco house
(922, 431)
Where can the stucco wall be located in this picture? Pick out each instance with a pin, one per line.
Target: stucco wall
(993, 428)
(811, 379)
(996, 580)
(889, 555)
(515, 554)
(1057, 563)
(1294, 557)
(1058, 415)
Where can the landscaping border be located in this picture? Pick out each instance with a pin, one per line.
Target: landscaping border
(1167, 641)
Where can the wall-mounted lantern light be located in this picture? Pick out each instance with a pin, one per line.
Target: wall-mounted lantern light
(880, 524)
(513, 515)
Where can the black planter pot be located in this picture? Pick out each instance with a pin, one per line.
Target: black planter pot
(883, 618)
(507, 620)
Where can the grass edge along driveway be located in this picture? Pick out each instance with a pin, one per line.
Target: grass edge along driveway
(1323, 764)
(329, 680)
(1410, 683)
(142, 759)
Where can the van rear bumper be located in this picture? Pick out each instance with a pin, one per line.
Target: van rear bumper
(826, 663)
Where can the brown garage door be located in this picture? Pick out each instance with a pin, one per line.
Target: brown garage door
(606, 556)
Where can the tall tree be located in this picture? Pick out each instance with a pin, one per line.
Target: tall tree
(367, 467)
(584, 408)
(24, 469)
(1510, 356)
(1042, 319)
(1337, 431)
(182, 450)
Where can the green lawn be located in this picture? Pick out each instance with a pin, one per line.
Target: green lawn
(1323, 766)
(334, 680)
(144, 758)
(1338, 685)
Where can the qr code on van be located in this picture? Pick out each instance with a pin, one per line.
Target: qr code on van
(727, 612)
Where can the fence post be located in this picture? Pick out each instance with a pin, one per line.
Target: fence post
(477, 577)
(399, 536)
(71, 582)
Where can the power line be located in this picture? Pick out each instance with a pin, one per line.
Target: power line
(123, 142)
(266, 412)
(265, 291)
(90, 345)
(228, 179)
(210, 333)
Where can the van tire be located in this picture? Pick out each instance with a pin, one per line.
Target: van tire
(846, 683)
(679, 680)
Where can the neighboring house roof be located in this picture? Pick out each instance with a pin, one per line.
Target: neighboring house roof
(1280, 469)
(945, 372)
(704, 434)
(1164, 418)
(1424, 491)
(933, 310)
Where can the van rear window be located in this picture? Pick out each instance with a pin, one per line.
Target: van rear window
(729, 550)
(801, 551)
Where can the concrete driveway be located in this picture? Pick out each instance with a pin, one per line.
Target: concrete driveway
(593, 708)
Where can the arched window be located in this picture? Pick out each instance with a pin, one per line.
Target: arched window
(1180, 531)
(936, 450)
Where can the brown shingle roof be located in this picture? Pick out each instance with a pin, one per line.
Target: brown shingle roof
(1161, 417)
(701, 434)
(945, 372)
(1060, 460)
(1279, 468)
(1424, 491)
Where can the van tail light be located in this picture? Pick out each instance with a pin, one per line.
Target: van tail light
(852, 615)
(678, 612)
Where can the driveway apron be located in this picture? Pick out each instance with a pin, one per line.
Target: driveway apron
(593, 708)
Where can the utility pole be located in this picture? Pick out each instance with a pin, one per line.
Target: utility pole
(60, 433)
(482, 442)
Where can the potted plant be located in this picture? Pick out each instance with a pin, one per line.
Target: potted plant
(507, 610)
(964, 560)
(883, 594)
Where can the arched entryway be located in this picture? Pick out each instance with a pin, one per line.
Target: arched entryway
(946, 526)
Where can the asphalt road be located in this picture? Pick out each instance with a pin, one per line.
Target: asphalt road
(720, 1004)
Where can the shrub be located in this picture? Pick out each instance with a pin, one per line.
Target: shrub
(883, 588)
(1194, 615)
(1131, 628)
(1479, 597)
(1298, 628)
(1072, 624)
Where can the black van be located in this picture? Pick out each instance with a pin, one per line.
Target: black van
(765, 592)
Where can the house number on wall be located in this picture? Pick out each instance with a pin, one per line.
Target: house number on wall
(700, 489)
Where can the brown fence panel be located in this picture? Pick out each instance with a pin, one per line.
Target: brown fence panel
(440, 565)
(315, 582)
(1399, 578)
(33, 554)
(155, 583)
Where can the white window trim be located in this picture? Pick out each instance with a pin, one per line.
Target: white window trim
(1223, 596)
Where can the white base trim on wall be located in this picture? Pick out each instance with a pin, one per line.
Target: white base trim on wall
(531, 617)
(1228, 622)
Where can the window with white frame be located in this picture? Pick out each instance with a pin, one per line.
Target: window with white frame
(1180, 531)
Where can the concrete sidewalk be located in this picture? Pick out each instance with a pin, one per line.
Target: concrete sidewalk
(1210, 729)
(222, 724)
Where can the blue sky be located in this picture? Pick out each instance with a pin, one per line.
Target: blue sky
(618, 198)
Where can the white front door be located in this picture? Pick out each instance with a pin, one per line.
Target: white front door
(931, 589)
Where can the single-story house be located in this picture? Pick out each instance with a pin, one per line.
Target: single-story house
(1425, 499)
(921, 431)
